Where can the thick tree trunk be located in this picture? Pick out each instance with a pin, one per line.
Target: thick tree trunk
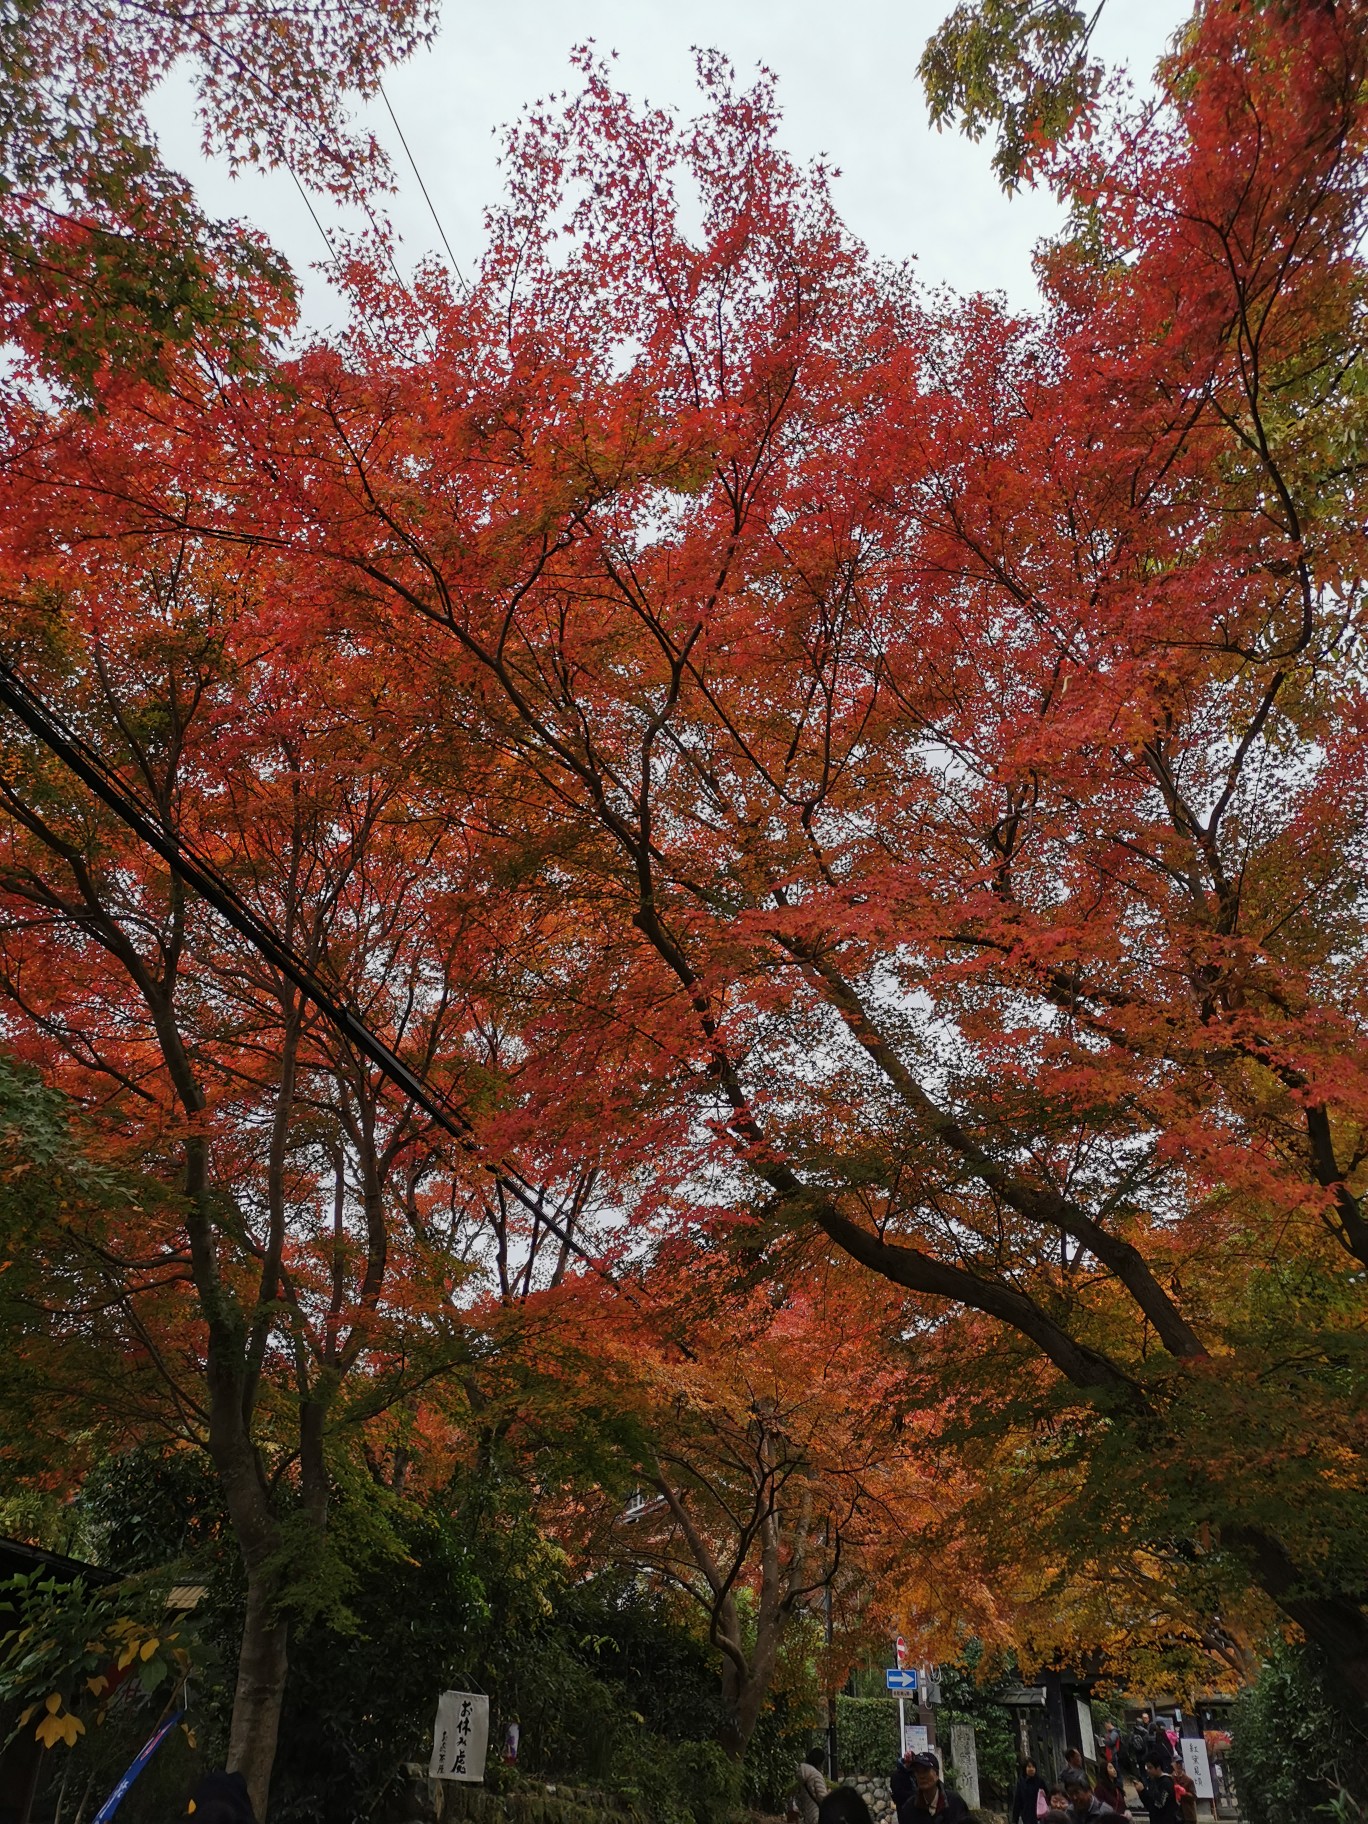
(1335, 1625)
(743, 1698)
(260, 1691)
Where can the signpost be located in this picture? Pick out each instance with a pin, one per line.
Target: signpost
(1085, 1728)
(902, 1679)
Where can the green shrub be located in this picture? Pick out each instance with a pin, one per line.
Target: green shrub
(866, 1734)
(1297, 1750)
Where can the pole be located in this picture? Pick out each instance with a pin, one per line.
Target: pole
(831, 1695)
(902, 1729)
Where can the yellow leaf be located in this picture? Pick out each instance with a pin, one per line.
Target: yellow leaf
(126, 1658)
(72, 1726)
(149, 1647)
(96, 1686)
(50, 1732)
(27, 1714)
(53, 1702)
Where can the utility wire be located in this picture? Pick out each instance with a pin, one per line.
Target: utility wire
(432, 211)
(198, 872)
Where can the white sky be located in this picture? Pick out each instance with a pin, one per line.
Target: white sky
(847, 85)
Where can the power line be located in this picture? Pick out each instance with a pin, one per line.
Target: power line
(432, 211)
(198, 872)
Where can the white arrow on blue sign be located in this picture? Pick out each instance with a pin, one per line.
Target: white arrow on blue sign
(900, 1678)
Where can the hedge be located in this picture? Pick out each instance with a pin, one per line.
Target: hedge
(866, 1734)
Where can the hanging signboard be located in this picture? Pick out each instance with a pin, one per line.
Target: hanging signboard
(460, 1740)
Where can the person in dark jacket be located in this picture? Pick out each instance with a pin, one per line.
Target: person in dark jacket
(1026, 1795)
(1108, 1788)
(1084, 1806)
(931, 1801)
(843, 1805)
(1157, 1794)
(221, 1798)
(901, 1783)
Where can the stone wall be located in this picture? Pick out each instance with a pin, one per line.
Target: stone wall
(419, 1800)
(875, 1792)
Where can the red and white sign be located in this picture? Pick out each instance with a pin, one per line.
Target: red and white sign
(900, 1648)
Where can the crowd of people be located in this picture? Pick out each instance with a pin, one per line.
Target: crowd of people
(1147, 1756)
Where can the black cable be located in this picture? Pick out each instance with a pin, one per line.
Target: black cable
(455, 267)
(80, 758)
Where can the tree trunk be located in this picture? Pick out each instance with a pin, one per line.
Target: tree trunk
(260, 1691)
(1332, 1623)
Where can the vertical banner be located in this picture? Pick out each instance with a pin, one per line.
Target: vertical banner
(1197, 1766)
(964, 1760)
(460, 1740)
(144, 1755)
(1085, 1728)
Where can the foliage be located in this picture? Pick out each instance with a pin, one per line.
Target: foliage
(830, 786)
(1299, 1746)
(70, 1653)
(866, 1734)
(965, 1699)
(1020, 67)
(109, 262)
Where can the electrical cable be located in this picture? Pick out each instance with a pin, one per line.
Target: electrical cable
(455, 265)
(198, 872)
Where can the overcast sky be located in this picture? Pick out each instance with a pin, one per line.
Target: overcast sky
(847, 85)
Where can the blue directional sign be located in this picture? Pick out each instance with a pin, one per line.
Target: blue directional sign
(900, 1678)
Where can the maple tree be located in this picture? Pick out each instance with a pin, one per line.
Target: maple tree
(946, 726)
(752, 1453)
(106, 258)
(303, 1274)
(910, 756)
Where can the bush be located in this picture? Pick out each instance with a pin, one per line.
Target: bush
(866, 1734)
(1296, 1749)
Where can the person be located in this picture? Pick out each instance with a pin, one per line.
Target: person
(1029, 1798)
(1084, 1806)
(1111, 1749)
(221, 1798)
(1157, 1794)
(843, 1805)
(1137, 1745)
(1073, 1757)
(931, 1800)
(1186, 1794)
(810, 1792)
(1059, 1799)
(1161, 1744)
(901, 1783)
(1108, 1788)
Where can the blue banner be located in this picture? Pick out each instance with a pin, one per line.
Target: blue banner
(145, 1753)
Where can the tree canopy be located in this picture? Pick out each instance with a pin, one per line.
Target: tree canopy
(850, 805)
